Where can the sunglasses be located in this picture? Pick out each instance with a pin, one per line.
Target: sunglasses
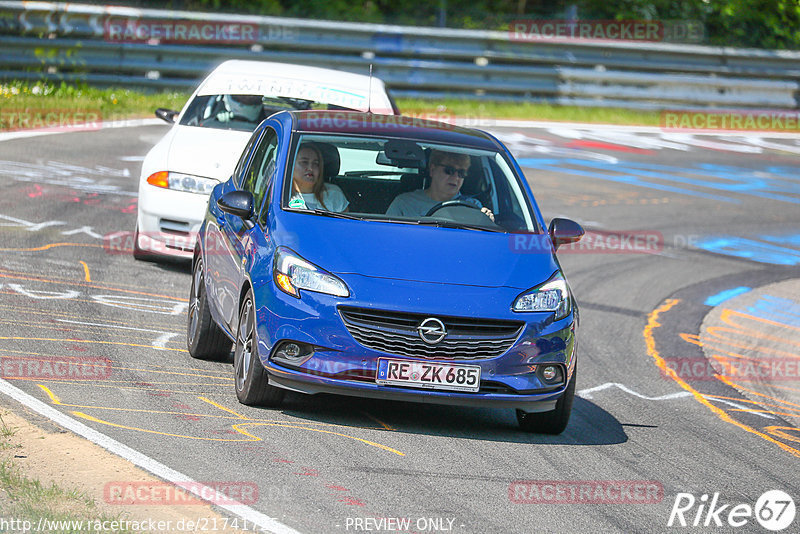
(450, 171)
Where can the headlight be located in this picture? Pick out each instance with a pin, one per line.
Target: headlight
(552, 296)
(182, 182)
(292, 273)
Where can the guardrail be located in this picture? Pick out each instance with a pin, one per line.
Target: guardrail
(80, 44)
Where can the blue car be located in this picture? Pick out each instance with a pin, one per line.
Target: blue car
(385, 257)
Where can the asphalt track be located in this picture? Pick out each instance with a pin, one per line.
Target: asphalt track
(711, 228)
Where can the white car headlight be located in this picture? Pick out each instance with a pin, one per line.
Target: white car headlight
(552, 296)
(182, 182)
(292, 273)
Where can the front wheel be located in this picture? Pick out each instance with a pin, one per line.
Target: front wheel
(251, 381)
(205, 339)
(555, 421)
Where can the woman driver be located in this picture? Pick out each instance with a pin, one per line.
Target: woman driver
(308, 185)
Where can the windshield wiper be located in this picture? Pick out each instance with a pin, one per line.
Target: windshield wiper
(449, 224)
(336, 214)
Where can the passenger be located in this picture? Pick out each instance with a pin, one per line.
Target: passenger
(309, 189)
(247, 108)
(447, 171)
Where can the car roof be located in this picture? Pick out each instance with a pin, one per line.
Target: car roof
(379, 125)
(327, 86)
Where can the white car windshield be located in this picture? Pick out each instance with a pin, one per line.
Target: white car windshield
(240, 112)
(410, 181)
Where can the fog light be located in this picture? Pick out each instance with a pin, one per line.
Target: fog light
(551, 374)
(292, 352)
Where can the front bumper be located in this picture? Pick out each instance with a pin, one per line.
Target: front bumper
(527, 403)
(340, 365)
(168, 220)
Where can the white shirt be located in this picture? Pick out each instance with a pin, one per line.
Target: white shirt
(332, 197)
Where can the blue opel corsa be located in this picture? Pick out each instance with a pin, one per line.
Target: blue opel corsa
(385, 257)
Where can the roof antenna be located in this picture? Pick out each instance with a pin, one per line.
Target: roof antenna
(369, 95)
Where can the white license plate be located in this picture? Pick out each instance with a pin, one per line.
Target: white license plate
(428, 375)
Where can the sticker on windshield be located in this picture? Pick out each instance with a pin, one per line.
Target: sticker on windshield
(297, 202)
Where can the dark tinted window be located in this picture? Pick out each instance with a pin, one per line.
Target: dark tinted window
(260, 172)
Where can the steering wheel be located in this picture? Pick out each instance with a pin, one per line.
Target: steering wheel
(448, 203)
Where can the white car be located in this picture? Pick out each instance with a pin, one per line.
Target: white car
(210, 133)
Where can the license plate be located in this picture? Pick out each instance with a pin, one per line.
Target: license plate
(428, 375)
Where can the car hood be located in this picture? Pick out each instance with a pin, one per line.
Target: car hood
(419, 253)
(207, 152)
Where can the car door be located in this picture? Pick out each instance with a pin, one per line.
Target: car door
(236, 234)
(214, 244)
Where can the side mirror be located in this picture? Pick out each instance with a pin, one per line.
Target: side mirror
(237, 203)
(167, 115)
(564, 231)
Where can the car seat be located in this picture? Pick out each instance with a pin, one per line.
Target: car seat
(330, 160)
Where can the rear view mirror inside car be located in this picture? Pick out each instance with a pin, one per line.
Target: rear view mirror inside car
(402, 153)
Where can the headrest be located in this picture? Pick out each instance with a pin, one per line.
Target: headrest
(331, 161)
(412, 181)
(475, 183)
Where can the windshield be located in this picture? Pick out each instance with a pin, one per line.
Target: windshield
(408, 181)
(241, 112)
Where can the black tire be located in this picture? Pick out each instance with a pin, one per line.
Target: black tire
(250, 377)
(205, 340)
(555, 421)
(138, 253)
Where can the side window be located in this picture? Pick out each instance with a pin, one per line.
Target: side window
(237, 172)
(264, 210)
(259, 175)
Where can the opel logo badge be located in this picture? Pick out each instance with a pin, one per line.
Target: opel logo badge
(432, 330)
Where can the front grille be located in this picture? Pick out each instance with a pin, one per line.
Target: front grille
(396, 333)
(168, 226)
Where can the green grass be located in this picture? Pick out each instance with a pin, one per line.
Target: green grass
(19, 98)
(24, 499)
(20, 102)
(475, 110)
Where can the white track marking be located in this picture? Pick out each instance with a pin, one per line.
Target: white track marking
(142, 304)
(68, 294)
(160, 342)
(714, 145)
(774, 146)
(160, 470)
(587, 393)
(83, 230)
(739, 406)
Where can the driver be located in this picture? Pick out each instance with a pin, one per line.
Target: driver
(447, 171)
(241, 107)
